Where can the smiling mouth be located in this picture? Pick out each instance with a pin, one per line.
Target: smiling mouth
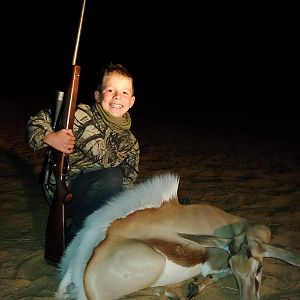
(113, 105)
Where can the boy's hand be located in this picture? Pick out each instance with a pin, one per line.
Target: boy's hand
(62, 140)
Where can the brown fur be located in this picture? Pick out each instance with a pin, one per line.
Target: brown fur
(181, 254)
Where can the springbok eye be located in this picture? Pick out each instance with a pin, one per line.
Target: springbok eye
(248, 251)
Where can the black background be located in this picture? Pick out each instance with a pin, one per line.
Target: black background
(188, 59)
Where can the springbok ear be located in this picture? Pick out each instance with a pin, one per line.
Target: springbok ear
(282, 254)
(208, 240)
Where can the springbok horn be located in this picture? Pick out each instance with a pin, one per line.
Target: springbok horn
(282, 254)
(208, 240)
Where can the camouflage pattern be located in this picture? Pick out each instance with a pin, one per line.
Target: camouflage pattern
(96, 147)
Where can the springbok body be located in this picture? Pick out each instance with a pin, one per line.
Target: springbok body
(145, 238)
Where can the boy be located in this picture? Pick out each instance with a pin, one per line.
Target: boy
(103, 153)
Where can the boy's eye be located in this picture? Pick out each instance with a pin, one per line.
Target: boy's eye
(110, 91)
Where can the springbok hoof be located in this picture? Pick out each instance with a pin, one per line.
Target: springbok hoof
(193, 290)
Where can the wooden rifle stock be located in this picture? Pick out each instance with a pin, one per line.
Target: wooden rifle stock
(55, 231)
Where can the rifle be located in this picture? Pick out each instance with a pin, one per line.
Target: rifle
(55, 231)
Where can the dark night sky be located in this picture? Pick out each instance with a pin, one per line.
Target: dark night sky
(196, 57)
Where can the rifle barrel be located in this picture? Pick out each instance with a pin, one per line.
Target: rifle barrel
(78, 34)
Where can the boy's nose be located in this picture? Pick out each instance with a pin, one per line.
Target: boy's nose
(116, 95)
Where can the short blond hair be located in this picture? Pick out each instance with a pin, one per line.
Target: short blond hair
(114, 69)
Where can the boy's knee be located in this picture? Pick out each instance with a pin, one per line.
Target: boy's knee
(115, 178)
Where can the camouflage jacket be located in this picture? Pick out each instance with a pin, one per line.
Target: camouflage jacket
(96, 146)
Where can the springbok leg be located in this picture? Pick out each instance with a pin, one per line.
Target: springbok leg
(195, 287)
(129, 267)
(155, 293)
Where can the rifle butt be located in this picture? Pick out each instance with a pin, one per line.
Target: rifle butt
(55, 233)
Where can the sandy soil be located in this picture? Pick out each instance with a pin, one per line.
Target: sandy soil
(249, 172)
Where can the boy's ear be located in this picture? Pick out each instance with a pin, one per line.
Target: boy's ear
(97, 96)
(132, 101)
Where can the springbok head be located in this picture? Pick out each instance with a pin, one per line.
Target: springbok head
(246, 253)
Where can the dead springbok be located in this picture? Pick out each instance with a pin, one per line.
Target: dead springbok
(144, 238)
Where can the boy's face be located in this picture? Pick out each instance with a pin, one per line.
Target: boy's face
(117, 95)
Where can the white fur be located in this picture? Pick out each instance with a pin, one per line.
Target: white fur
(176, 273)
(150, 193)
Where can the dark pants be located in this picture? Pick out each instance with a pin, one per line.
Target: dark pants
(90, 191)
